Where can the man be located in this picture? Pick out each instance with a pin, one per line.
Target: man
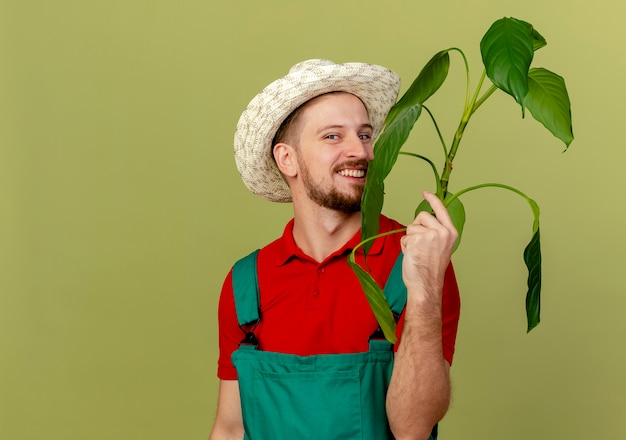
(299, 352)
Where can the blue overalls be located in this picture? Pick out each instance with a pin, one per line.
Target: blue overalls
(321, 397)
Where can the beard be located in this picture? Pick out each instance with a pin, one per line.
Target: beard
(332, 198)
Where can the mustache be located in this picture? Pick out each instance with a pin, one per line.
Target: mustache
(361, 164)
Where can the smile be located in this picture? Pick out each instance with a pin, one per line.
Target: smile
(352, 173)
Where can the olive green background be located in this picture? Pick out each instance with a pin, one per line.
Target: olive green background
(121, 210)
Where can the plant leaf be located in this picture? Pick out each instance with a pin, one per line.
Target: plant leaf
(371, 207)
(386, 152)
(427, 82)
(457, 215)
(532, 258)
(548, 102)
(377, 301)
(536, 37)
(398, 125)
(507, 51)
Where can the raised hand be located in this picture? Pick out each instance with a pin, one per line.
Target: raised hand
(427, 248)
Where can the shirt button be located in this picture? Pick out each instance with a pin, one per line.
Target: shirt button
(320, 270)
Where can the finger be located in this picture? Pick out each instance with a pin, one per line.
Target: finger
(439, 209)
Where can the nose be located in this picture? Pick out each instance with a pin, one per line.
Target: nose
(360, 148)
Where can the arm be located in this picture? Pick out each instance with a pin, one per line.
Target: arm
(419, 392)
(228, 421)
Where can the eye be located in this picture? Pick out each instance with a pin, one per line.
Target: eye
(332, 137)
(365, 137)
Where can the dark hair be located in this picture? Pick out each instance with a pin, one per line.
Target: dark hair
(284, 131)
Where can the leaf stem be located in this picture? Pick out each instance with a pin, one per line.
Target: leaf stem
(457, 194)
(483, 98)
(432, 165)
(372, 238)
(476, 102)
(533, 205)
(443, 142)
(468, 111)
(467, 74)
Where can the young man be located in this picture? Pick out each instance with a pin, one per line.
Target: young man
(299, 354)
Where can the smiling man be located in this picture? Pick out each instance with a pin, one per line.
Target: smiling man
(300, 351)
(322, 126)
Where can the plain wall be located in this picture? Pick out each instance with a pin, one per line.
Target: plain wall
(121, 209)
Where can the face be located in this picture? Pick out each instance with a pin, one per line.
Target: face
(333, 150)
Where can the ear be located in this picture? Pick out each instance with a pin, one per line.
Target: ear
(286, 160)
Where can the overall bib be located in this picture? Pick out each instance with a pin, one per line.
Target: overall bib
(321, 397)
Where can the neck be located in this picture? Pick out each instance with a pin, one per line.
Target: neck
(319, 231)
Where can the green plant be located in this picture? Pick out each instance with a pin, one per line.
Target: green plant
(507, 50)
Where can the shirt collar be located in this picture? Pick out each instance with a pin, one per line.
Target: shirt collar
(286, 247)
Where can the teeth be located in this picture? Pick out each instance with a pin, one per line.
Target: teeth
(352, 173)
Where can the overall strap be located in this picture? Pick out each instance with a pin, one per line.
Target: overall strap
(246, 289)
(395, 293)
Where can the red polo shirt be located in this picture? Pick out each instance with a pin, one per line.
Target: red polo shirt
(310, 307)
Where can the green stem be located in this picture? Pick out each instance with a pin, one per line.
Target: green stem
(483, 98)
(367, 240)
(432, 165)
(468, 111)
(457, 194)
(441, 139)
(467, 74)
(533, 205)
(475, 101)
(447, 170)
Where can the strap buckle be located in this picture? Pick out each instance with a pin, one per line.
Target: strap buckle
(249, 340)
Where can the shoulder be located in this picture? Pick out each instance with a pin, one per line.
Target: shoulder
(276, 251)
(388, 224)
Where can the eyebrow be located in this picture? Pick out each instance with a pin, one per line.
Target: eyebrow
(339, 126)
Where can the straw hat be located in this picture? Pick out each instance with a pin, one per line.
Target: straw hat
(376, 86)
